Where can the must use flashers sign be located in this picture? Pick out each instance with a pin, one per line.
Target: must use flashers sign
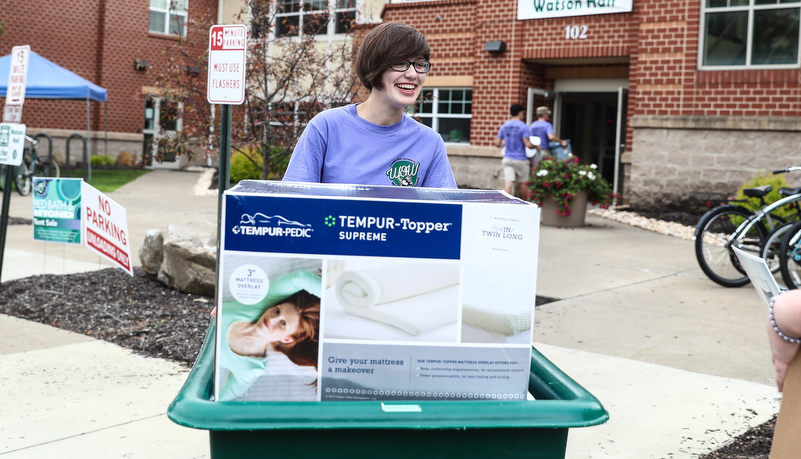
(227, 55)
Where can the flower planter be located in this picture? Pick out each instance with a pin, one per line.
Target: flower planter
(576, 217)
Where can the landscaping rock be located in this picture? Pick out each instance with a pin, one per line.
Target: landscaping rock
(152, 252)
(182, 256)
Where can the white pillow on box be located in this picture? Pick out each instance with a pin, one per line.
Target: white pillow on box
(532, 152)
(497, 301)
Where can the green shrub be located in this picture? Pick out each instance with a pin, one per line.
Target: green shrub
(246, 166)
(279, 168)
(776, 181)
(102, 160)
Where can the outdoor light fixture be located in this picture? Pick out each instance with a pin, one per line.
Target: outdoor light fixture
(495, 46)
(141, 64)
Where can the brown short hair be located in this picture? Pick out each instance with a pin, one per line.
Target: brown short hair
(306, 340)
(384, 46)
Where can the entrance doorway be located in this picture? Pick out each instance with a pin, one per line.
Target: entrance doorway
(161, 120)
(591, 113)
(590, 122)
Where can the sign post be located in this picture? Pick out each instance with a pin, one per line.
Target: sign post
(12, 143)
(226, 86)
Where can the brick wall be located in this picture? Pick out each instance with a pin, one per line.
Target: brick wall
(655, 46)
(98, 40)
(659, 38)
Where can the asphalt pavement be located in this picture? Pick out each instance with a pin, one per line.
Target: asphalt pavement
(681, 364)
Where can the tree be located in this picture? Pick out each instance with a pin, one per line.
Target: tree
(289, 79)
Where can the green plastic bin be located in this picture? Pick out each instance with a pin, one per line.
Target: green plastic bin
(372, 429)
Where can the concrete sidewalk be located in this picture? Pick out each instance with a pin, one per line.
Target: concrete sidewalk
(681, 364)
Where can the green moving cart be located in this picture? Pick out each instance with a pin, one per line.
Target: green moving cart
(396, 429)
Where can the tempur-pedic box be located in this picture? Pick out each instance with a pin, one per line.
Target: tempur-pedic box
(345, 292)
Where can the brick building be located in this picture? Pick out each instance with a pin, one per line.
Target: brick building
(110, 44)
(686, 99)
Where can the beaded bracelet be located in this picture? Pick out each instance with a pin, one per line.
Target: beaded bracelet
(776, 327)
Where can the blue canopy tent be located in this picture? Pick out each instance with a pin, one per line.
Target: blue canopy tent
(46, 80)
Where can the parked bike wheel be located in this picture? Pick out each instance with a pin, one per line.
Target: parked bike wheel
(712, 250)
(22, 175)
(771, 249)
(790, 257)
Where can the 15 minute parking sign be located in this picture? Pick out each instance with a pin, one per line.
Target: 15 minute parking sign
(227, 53)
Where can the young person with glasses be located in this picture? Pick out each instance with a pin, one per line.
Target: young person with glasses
(374, 142)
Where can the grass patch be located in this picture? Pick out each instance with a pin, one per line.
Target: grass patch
(108, 180)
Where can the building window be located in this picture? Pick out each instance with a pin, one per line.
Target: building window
(745, 33)
(168, 17)
(344, 16)
(298, 17)
(447, 111)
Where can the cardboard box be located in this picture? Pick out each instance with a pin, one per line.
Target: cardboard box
(424, 294)
(786, 441)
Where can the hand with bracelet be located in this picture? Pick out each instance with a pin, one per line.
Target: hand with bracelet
(784, 331)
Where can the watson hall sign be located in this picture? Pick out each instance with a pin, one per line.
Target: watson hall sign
(539, 9)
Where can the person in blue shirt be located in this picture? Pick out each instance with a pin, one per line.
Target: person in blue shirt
(374, 142)
(543, 129)
(514, 136)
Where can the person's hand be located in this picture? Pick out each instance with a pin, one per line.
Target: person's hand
(787, 314)
(564, 143)
(782, 353)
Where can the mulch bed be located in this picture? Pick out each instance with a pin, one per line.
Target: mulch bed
(134, 312)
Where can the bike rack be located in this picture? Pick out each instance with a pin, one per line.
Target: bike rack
(85, 156)
(49, 144)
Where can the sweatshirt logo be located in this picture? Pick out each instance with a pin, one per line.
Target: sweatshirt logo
(403, 172)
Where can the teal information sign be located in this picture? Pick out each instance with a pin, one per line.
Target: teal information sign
(57, 210)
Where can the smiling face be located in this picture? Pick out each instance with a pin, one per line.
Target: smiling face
(401, 89)
(276, 324)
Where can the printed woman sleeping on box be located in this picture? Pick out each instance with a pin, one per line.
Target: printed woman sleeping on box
(283, 331)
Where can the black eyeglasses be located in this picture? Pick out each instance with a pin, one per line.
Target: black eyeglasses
(419, 66)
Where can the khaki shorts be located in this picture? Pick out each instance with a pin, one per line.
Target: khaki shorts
(515, 170)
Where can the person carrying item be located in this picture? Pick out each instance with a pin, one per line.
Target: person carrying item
(514, 134)
(551, 144)
(374, 142)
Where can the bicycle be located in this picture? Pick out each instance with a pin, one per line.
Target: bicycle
(33, 166)
(733, 225)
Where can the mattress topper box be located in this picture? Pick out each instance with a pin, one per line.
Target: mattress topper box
(345, 292)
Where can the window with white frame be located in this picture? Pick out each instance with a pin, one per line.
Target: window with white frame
(446, 110)
(299, 17)
(168, 17)
(750, 33)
